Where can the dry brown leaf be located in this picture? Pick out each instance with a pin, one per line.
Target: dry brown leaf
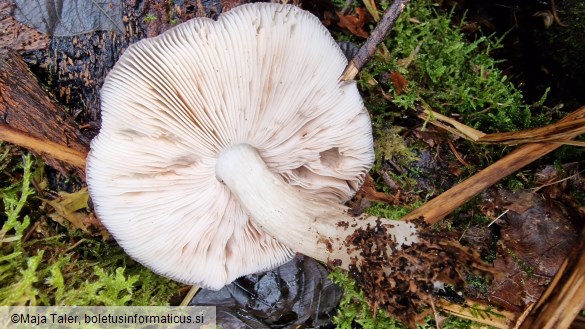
(370, 193)
(354, 23)
(523, 203)
(67, 208)
(398, 81)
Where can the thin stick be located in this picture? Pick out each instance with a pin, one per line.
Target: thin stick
(52, 149)
(189, 296)
(368, 49)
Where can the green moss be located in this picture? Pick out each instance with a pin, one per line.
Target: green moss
(388, 144)
(452, 75)
(353, 308)
(391, 211)
(149, 18)
(44, 267)
(445, 71)
(354, 311)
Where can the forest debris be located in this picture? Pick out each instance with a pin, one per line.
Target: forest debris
(564, 298)
(354, 23)
(43, 147)
(17, 36)
(407, 280)
(535, 238)
(444, 204)
(43, 124)
(477, 312)
(369, 192)
(67, 208)
(398, 81)
(368, 49)
(561, 132)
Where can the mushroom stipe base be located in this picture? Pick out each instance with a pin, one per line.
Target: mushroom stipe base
(398, 264)
(408, 280)
(317, 228)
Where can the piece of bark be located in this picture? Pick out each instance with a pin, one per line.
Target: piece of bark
(17, 36)
(26, 107)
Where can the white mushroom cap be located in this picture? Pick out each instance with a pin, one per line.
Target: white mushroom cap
(262, 74)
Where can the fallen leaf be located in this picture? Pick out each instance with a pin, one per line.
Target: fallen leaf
(398, 81)
(67, 18)
(535, 238)
(354, 23)
(67, 207)
(369, 192)
(523, 203)
(295, 295)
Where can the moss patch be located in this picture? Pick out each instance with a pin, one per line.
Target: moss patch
(40, 264)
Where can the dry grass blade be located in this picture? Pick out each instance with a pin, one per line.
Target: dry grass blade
(491, 317)
(451, 125)
(444, 204)
(561, 132)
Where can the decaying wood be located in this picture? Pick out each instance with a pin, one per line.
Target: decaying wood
(27, 108)
(565, 296)
(43, 147)
(17, 36)
(447, 202)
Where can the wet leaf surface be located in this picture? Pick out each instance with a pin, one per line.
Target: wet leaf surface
(536, 235)
(17, 36)
(296, 293)
(70, 17)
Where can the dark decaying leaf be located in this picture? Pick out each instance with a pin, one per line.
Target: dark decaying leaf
(293, 294)
(535, 238)
(70, 17)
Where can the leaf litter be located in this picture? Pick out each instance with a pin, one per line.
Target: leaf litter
(517, 249)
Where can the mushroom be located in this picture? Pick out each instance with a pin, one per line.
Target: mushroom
(227, 146)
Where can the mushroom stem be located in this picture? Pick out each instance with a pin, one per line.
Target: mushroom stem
(314, 227)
